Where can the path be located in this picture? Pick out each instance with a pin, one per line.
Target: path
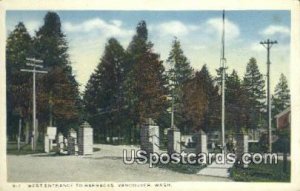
(104, 165)
(216, 170)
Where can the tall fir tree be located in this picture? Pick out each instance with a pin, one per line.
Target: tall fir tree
(254, 85)
(212, 116)
(18, 84)
(59, 98)
(180, 71)
(195, 102)
(103, 97)
(145, 83)
(201, 102)
(179, 64)
(281, 98)
(236, 110)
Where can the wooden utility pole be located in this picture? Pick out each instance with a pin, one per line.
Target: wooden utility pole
(33, 62)
(268, 44)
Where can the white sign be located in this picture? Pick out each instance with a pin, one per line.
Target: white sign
(51, 132)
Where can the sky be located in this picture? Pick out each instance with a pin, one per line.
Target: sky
(198, 31)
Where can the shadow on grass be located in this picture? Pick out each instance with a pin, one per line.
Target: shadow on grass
(108, 157)
(12, 149)
(262, 173)
(181, 168)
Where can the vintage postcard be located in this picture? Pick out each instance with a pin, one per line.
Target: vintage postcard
(146, 95)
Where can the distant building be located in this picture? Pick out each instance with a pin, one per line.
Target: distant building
(283, 119)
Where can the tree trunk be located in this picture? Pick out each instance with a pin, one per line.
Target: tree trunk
(119, 135)
(111, 130)
(27, 132)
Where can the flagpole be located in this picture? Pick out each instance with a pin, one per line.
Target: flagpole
(223, 61)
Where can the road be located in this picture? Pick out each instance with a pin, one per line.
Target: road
(104, 165)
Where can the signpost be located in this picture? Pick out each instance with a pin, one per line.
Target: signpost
(33, 62)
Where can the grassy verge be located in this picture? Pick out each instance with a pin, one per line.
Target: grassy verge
(12, 149)
(262, 173)
(181, 168)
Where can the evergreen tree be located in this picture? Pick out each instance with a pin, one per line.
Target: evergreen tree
(179, 64)
(59, 98)
(145, 82)
(281, 98)
(201, 102)
(254, 85)
(212, 116)
(180, 71)
(104, 92)
(195, 102)
(236, 111)
(18, 84)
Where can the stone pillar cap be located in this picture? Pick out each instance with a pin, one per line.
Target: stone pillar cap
(72, 130)
(85, 125)
(149, 121)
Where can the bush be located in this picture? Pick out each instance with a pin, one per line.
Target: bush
(282, 145)
(263, 143)
(255, 148)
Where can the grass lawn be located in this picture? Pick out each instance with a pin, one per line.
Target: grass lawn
(12, 149)
(182, 168)
(262, 173)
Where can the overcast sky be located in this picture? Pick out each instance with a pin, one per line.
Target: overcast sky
(198, 31)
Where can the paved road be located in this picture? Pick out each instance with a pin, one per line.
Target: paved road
(104, 165)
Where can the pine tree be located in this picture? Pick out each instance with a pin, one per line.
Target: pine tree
(254, 86)
(179, 64)
(103, 97)
(212, 116)
(281, 98)
(59, 98)
(201, 102)
(145, 82)
(180, 71)
(236, 110)
(18, 84)
(195, 102)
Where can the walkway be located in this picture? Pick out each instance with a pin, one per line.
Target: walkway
(216, 170)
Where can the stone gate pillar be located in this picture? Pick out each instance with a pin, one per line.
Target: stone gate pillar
(174, 138)
(150, 136)
(72, 142)
(46, 144)
(241, 148)
(85, 139)
(60, 142)
(201, 144)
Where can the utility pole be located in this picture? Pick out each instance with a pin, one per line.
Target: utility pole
(223, 68)
(33, 62)
(268, 44)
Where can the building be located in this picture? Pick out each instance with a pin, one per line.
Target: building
(283, 119)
